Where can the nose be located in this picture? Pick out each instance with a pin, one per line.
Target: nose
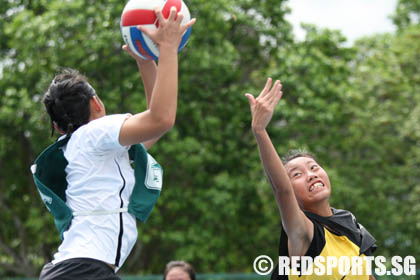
(311, 176)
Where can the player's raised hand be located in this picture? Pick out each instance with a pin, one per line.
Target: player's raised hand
(262, 107)
(169, 32)
(133, 55)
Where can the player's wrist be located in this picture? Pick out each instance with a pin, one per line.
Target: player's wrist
(168, 49)
(258, 131)
(144, 63)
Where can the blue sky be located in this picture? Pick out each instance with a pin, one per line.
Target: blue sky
(354, 18)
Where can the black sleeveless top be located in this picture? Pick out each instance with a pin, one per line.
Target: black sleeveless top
(342, 222)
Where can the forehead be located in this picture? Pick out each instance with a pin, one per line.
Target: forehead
(299, 162)
(177, 273)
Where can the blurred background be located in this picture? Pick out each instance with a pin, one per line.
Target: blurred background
(355, 104)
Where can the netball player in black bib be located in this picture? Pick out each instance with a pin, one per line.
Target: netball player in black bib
(311, 227)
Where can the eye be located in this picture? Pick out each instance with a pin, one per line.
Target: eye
(314, 166)
(296, 174)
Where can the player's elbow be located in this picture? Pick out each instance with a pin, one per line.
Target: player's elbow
(164, 123)
(168, 123)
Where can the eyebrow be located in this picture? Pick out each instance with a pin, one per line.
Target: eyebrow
(297, 167)
(294, 168)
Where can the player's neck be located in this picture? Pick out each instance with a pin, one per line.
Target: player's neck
(322, 209)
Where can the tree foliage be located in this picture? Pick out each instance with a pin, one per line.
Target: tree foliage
(385, 126)
(407, 13)
(355, 107)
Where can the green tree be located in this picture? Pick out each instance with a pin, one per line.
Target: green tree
(355, 107)
(407, 13)
(383, 144)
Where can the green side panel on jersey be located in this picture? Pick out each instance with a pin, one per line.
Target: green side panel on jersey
(144, 196)
(50, 179)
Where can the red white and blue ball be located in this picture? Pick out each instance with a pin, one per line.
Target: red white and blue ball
(141, 12)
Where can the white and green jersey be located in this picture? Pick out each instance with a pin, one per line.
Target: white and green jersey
(98, 190)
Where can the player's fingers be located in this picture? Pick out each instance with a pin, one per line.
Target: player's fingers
(159, 15)
(266, 89)
(188, 24)
(127, 50)
(270, 93)
(277, 93)
(179, 18)
(172, 13)
(277, 98)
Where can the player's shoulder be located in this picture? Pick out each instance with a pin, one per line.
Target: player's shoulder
(102, 132)
(102, 125)
(107, 121)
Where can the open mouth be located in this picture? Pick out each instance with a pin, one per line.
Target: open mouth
(316, 186)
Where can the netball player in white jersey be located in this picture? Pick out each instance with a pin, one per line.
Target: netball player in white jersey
(98, 173)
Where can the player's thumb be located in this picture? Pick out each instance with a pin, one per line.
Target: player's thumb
(251, 99)
(145, 30)
(125, 48)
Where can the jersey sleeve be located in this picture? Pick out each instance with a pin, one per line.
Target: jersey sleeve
(102, 135)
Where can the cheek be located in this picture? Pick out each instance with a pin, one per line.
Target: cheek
(299, 189)
(325, 178)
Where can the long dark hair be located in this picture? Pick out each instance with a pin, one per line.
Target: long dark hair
(67, 100)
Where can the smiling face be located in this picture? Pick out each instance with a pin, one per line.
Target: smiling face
(310, 182)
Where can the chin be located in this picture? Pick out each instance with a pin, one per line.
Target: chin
(322, 195)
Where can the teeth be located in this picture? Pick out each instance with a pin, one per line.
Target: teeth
(316, 185)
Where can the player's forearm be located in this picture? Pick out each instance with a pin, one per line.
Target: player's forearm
(163, 104)
(148, 71)
(272, 164)
(294, 221)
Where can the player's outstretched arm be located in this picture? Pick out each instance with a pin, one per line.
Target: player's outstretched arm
(298, 227)
(160, 116)
(148, 71)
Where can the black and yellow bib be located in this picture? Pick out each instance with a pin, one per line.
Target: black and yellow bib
(337, 235)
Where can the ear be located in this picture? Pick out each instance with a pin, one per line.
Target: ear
(58, 129)
(96, 104)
